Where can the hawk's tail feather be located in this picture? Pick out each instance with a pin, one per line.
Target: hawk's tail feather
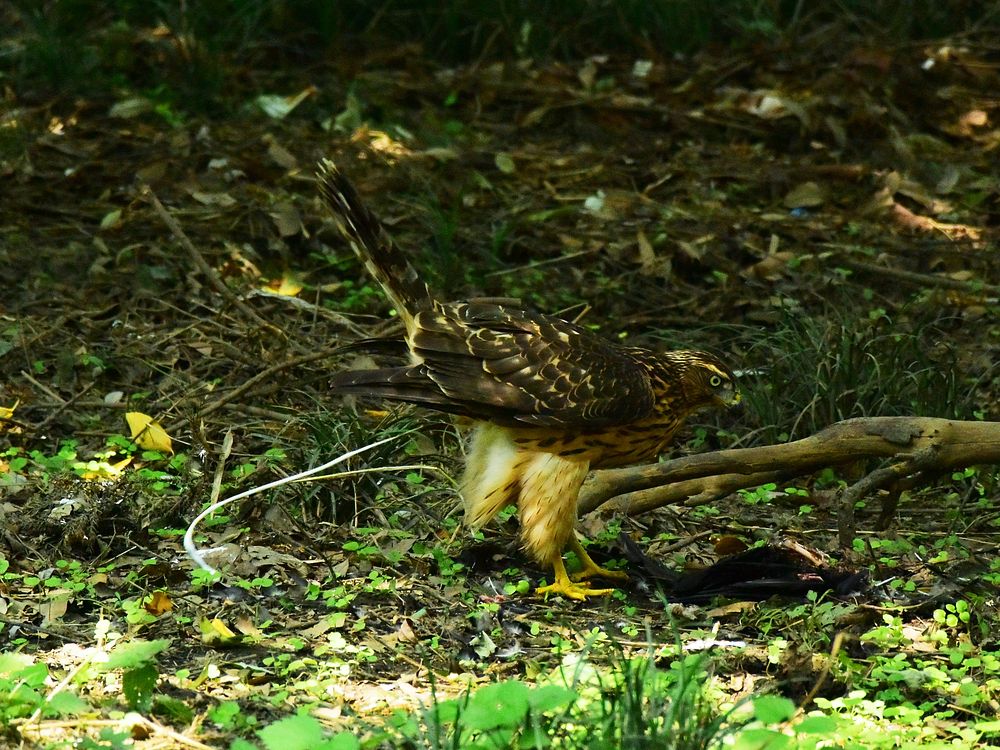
(373, 245)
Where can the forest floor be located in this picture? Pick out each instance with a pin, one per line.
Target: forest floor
(827, 221)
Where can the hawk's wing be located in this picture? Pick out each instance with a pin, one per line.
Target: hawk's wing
(489, 361)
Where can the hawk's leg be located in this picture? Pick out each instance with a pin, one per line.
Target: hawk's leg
(591, 569)
(565, 587)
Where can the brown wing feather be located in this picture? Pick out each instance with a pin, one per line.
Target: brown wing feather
(491, 362)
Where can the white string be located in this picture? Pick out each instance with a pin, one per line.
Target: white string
(199, 555)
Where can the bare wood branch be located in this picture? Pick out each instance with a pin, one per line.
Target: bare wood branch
(881, 477)
(919, 279)
(923, 443)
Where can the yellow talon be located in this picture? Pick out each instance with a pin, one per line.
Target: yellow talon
(565, 587)
(591, 569)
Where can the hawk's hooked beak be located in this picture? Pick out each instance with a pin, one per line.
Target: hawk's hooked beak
(730, 397)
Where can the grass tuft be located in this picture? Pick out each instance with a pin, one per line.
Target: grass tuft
(820, 370)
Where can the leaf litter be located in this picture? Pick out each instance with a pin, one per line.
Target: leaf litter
(692, 196)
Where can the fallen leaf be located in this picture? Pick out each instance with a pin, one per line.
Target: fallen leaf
(8, 412)
(126, 109)
(55, 606)
(215, 632)
(222, 200)
(112, 219)
(151, 173)
(652, 264)
(441, 154)
(100, 471)
(405, 633)
(729, 545)
(505, 163)
(278, 107)
(771, 267)
(159, 603)
(594, 203)
(280, 155)
(246, 626)
(148, 433)
(806, 195)
(588, 73)
(735, 608)
(287, 219)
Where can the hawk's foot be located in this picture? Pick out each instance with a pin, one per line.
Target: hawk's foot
(563, 586)
(591, 569)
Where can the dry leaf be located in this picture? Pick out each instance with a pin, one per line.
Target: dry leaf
(101, 471)
(8, 412)
(505, 163)
(159, 603)
(281, 155)
(806, 195)
(55, 606)
(652, 264)
(287, 219)
(216, 632)
(278, 107)
(405, 633)
(112, 219)
(246, 626)
(771, 267)
(148, 433)
(736, 608)
(126, 109)
(222, 200)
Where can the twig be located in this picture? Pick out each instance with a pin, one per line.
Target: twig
(919, 279)
(538, 263)
(44, 389)
(838, 642)
(220, 470)
(872, 481)
(685, 542)
(205, 267)
(317, 310)
(264, 375)
(63, 407)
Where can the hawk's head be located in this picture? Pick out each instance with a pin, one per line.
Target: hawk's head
(705, 380)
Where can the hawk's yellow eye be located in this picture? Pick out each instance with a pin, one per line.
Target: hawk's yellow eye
(715, 381)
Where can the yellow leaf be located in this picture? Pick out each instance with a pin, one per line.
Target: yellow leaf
(216, 632)
(287, 285)
(148, 433)
(158, 603)
(8, 412)
(102, 470)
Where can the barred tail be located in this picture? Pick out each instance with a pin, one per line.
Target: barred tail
(373, 246)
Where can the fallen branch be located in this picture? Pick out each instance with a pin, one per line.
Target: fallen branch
(920, 445)
(206, 269)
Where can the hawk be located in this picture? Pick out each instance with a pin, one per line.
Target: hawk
(549, 400)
